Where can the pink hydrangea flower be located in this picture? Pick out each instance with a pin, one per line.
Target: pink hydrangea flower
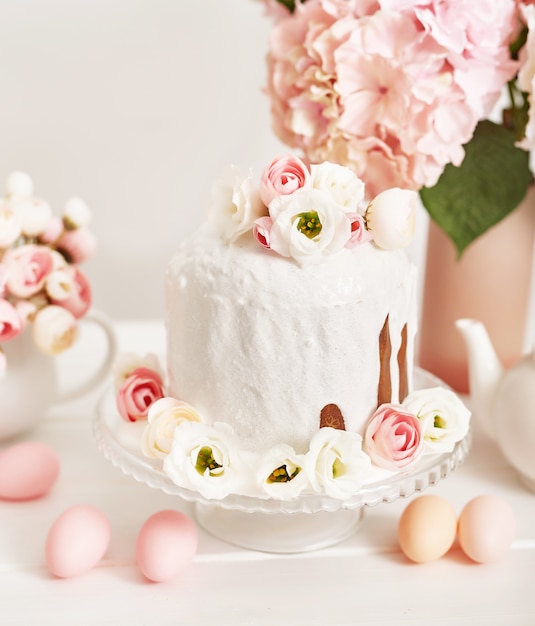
(393, 437)
(138, 392)
(392, 89)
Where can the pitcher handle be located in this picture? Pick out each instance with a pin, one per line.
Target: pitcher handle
(85, 386)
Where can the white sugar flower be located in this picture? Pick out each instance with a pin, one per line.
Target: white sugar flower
(336, 464)
(308, 225)
(280, 472)
(162, 419)
(235, 204)
(205, 459)
(445, 419)
(127, 362)
(342, 183)
(391, 218)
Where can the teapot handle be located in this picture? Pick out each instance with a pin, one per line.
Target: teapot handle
(99, 375)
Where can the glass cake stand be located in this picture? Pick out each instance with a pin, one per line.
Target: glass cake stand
(309, 522)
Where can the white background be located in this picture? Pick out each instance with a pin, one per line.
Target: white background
(136, 106)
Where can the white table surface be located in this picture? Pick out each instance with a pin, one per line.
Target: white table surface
(363, 580)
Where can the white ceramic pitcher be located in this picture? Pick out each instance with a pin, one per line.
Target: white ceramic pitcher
(30, 384)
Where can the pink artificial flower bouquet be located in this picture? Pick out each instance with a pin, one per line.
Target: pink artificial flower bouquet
(402, 91)
(40, 281)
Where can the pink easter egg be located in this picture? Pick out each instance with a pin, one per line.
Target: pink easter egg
(486, 528)
(27, 470)
(77, 540)
(166, 545)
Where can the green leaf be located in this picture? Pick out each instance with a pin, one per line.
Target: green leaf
(490, 182)
(289, 4)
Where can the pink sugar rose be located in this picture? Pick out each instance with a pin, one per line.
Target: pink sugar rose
(393, 437)
(283, 176)
(261, 231)
(27, 269)
(10, 322)
(138, 392)
(359, 233)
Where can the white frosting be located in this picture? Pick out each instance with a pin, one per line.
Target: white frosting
(259, 342)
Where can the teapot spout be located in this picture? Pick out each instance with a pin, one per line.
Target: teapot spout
(484, 371)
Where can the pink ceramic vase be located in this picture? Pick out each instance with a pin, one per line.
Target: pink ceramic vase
(491, 282)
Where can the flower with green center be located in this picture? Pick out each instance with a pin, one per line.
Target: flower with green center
(282, 475)
(206, 461)
(309, 224)
(336, 464)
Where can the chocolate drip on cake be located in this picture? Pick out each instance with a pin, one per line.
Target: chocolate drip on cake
(402, 366)
(332, 416)
(384, 390)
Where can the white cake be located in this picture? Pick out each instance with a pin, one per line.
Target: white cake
(263, 344)
(290, 319)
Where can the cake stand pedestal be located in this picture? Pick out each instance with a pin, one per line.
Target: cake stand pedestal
(281, 533)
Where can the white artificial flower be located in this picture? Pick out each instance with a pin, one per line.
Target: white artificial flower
(127, 362)
(336, 464)
(235, 204)
(54, 329)
(76, 213)
(391, 218)
(162, 419)
(342, 183)
(59, 284)
(19, 185)
(35, 215)
(280, 472)
(308, 225)
(205, 459)
(445, 419)
(10, 226)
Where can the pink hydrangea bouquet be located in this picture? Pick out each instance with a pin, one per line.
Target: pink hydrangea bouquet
(40, 281)
(403, 91)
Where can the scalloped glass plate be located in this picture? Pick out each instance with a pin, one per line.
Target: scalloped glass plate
(277, 525)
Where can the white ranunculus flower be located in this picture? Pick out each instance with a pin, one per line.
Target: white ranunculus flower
(54, 329)
(341, 182)
(126, 362)
(19, 185)
(35, 214)
(445, 419)
(205, 459)
(280, 472)
(308, 226)
(235, 204)
(162, 419)
(336, 464)
(391, 217)
(10, 226)
(76, 213)
(59, 284)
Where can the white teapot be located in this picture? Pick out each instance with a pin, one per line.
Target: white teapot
(503, 400)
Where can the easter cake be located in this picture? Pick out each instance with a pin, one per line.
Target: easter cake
(290, 324)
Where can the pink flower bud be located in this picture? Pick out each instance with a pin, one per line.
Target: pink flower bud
(78, 245)
(10, 322)
(261, 230)
(139, 391)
